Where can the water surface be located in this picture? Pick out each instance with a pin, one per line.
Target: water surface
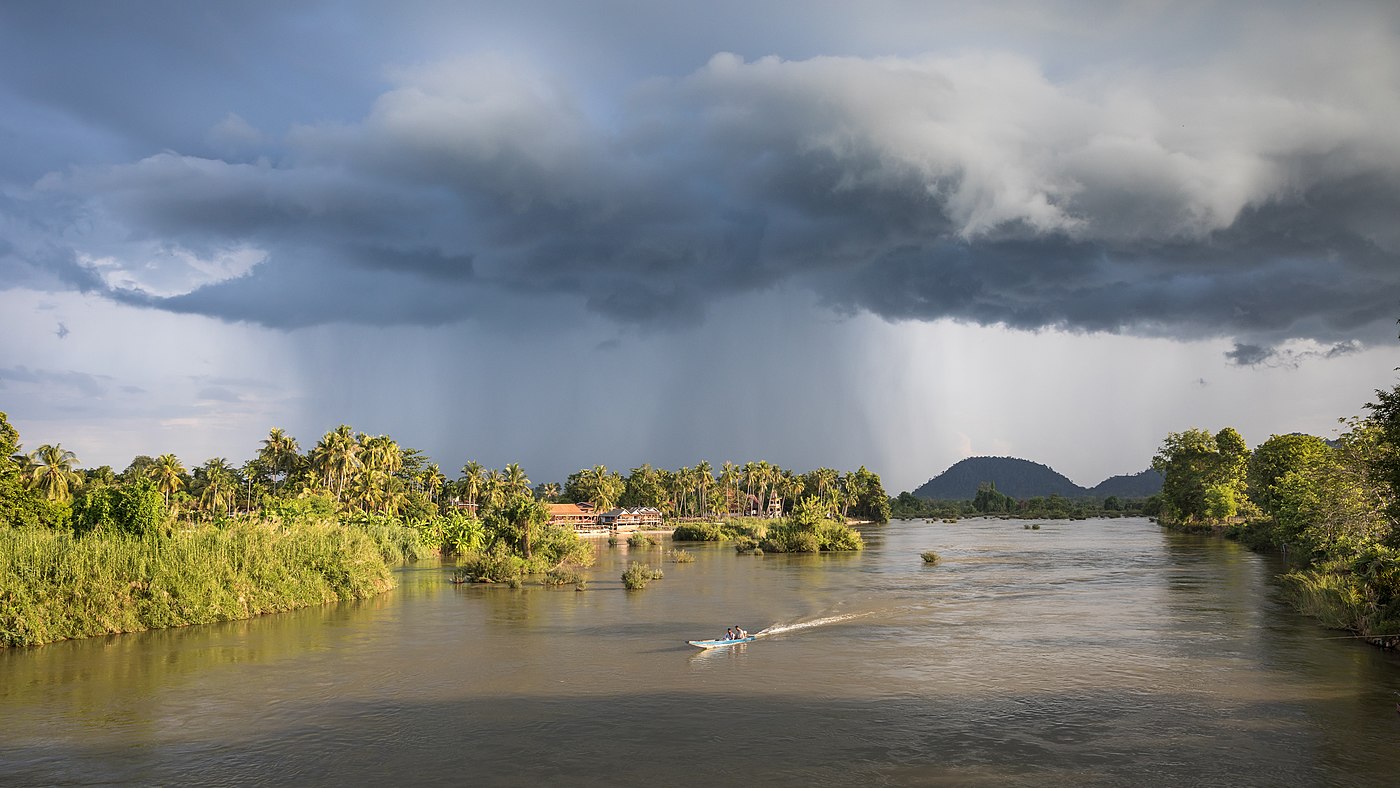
(1096, 652)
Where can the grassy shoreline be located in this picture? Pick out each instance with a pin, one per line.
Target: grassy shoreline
(56, 586)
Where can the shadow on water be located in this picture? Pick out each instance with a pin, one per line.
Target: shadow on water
(693, 739)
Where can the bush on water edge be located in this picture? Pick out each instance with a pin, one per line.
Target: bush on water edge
(638, 575)
(733, 529)
(557, 548)
(930, 557)
(1360, 593)
(58, 586)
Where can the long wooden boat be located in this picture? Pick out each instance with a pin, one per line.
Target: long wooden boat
(719, 643)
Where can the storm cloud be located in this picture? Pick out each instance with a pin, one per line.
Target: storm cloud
(1247, 188)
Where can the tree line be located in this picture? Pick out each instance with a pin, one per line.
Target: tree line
(1330, 505)
(374, 475)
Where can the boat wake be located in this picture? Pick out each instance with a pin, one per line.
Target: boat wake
(778, 629)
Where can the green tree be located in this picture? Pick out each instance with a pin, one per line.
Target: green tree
(473, 478)
(53, 474)
(1203, 475)
(990, 499)
(643, 487)
(19, 504)
(517, 521)
(280, 454)
(1384, 459)
(168, 473)
(1277, 457)
(216, 485)
(336, 457)
(596, 485)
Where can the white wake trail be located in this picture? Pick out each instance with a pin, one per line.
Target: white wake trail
(777, 629)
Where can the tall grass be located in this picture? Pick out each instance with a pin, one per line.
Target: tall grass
(57, 586)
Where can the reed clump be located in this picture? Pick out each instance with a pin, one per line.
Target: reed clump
(681, 556)
(55, 585)
(930, 557)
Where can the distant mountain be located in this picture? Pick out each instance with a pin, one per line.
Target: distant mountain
(1137, 485)
(1025, 479)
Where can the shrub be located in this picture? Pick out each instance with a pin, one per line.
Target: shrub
(747, 545)
(498, 565)
(930, 557)
(640, 540)
(698, 532)
(638, 575)
(682, 556)
(561, 576)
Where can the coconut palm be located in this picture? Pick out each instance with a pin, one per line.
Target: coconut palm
(219, 486)
(432, 481)
(492, 489)
(52, 473)
(279, 454)
(169, 475)
(473, 478)
(704, 480)
(380, 453)
(515, 480)
(336, 457)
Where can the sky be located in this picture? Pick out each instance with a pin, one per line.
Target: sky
(882, 233)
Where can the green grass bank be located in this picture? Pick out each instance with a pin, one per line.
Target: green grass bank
(55, 585)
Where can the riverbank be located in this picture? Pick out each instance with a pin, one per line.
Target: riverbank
(57, 586)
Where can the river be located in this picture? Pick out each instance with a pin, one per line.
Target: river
(1097, 652)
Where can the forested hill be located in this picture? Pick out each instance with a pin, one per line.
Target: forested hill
(1023, 479)
(1137, 485)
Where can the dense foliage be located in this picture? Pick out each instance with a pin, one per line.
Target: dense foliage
(1330, 506)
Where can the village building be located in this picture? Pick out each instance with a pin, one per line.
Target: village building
(622, 520)
(579, 516)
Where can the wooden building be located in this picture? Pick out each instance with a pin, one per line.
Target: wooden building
(580, 516)
(620, 519)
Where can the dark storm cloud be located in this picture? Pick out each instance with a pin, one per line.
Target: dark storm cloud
(1249, 194)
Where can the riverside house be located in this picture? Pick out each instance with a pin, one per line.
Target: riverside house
(620, 519)
(579, 515)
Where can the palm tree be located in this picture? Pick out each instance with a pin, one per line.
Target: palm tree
(472, 481)
(606, 487)
(52, 473)
(515, 480)
(492, 489)
(336, 456)
(279, 454)
(705, 478)
(219, 486)
(729, 480)
(551, 491)
(432, 481)
(380, 453)
(169, 475)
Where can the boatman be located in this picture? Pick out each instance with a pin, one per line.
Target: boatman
(739, 634)
(729, 634)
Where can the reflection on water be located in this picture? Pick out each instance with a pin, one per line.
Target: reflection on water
(1098, 652)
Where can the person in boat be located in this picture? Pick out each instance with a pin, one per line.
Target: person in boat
(729, 634)
(739, 634)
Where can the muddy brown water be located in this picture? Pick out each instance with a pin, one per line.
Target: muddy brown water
(1093, 652)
